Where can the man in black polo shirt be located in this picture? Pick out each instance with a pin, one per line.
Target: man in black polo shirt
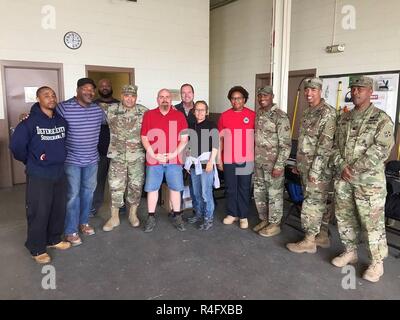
(187, 107)
(187, 104)
(105, 92)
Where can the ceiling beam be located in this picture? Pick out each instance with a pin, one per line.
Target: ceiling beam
(217, 4)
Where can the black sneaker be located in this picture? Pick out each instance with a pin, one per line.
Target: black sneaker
(207, 225)
(193, 219)
(150, 224)
(92, 213)
(178, 223)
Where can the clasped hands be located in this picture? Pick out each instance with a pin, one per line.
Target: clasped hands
(165, 157)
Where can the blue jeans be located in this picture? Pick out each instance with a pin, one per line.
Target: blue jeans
(81, 183)
(194, 201)
(203, 193)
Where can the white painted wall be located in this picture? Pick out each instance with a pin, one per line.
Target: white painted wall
(166, 41)
(239, 48)
(240, 39)
(373, 46)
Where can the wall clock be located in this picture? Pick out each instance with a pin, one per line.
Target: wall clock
(72, 40)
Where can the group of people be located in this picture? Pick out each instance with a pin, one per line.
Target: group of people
(60, 146)
(346, 153)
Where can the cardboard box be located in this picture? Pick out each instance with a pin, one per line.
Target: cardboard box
(186, 202)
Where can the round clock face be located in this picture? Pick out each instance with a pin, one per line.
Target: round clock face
(72, 40)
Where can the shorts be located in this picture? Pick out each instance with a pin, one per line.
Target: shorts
(155, 174)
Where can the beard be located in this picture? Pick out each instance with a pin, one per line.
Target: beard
(105, 94)
(164, 106)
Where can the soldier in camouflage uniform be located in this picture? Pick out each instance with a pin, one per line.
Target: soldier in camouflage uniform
(364, 139)
(272, 149)
(314, 150)
(127, 156)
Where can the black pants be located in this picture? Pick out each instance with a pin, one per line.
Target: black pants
(102, 172)
(45, 212)
(237, 180)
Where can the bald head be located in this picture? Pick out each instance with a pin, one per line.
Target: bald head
(164, 99)
(163, 92)
(104, 82)
(105, 88)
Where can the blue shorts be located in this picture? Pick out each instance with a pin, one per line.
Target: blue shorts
(155, 175)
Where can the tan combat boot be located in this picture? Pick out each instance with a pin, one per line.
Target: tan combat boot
(347, 257)
(260, 226)
(271, 230)
(113, 221)
(133, 218)
(306, 245)
(322, 239)
(374, 271)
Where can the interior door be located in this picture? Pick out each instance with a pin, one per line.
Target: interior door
(295, 80)
(21, 85)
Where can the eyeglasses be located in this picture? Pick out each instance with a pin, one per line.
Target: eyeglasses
(236, 98)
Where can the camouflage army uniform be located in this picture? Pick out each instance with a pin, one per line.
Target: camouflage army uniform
(126, 153)
(363, 141)
(313, 154)
(272, 149)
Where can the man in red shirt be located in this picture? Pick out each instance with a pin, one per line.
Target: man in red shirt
(164, 137)
(236, 127)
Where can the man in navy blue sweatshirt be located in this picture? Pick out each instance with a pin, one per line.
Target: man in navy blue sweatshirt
(39, 142)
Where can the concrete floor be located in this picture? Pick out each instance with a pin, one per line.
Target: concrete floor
(223, 263)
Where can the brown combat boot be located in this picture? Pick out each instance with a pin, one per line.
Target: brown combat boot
(133, 218)
(271, 230)
(260, 226)
(62, 245)
(113, 221)
(374, 271)
(307, 245)
(42, 258)
(347, 257)
(322, 239)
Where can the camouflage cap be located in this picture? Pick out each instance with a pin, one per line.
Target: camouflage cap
(129, 89)
(314, 83)
(265, 90)
(361, 81)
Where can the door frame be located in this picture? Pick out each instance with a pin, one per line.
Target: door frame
(306, 73)
(6, 179)
(94, 68)
(296, 73)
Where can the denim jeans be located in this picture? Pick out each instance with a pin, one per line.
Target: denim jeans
(81, 183)
(194, 202)
(102, 173)
(203, 193)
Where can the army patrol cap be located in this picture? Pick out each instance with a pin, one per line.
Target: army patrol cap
(129, 89)
(314, 83)
(361, 81)
(265, 90)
